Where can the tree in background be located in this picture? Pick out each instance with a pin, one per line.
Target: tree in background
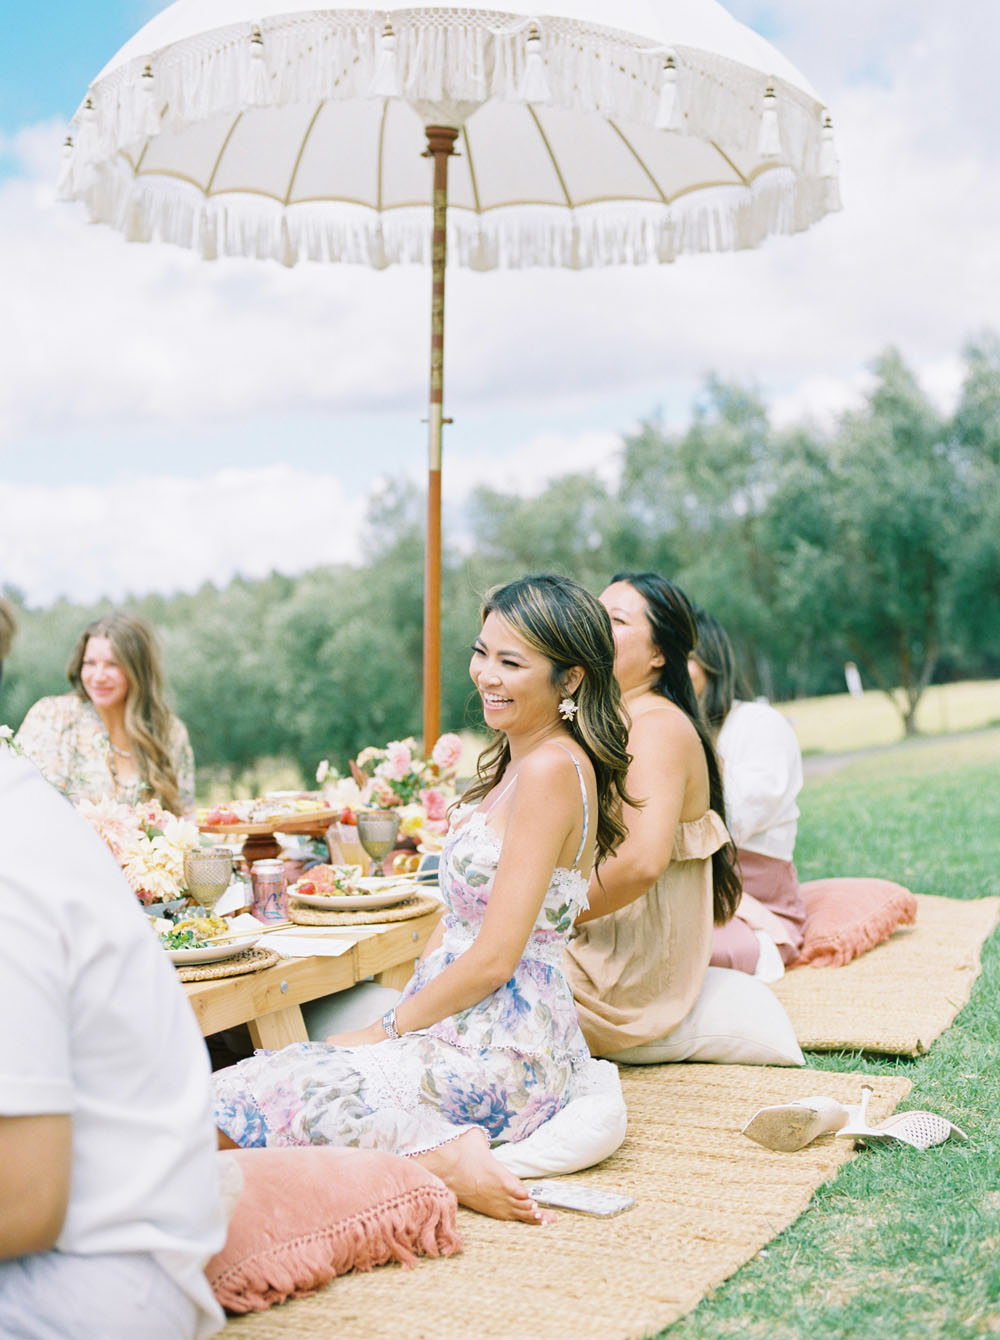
(896, 503)
(877, 541)
(976, 442)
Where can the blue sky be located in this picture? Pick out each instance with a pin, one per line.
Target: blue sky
(142, 385)
(53, 48)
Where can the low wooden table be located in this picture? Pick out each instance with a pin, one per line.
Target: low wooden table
(268, 1001)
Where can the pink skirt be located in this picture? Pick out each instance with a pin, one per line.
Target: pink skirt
(775, 885)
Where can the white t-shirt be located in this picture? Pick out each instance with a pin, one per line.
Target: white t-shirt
(762, 776)
(95, 1024)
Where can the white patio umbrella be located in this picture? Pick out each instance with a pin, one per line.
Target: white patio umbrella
(590, 133)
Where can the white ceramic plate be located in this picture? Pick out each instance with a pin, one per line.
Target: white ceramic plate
(382, 893)
(212, 953)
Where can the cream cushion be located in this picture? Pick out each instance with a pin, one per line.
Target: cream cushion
(736, 1020)
(585, 1131)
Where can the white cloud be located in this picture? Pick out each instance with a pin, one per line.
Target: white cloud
(528, 466)
(164, 534)
(98, 334)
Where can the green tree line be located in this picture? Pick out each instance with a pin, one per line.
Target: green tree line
(876, 540)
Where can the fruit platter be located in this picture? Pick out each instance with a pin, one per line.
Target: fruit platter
(302, 812)
(340, 887)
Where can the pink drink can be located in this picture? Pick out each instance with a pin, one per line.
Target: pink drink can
(270, 892)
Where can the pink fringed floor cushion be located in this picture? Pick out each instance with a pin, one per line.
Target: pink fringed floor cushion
(846, 917)
(308, 1214)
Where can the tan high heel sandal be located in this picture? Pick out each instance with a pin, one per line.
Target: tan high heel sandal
(918, 1129)
(787, 1127)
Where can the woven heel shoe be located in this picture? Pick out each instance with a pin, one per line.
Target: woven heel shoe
(918, 1129)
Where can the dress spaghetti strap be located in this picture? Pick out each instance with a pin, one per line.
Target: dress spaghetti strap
(497, 799)
(583, 792)
(586, 806)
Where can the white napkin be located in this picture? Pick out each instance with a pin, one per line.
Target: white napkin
(304, 946)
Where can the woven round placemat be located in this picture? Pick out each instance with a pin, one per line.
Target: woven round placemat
(415, 906)
(250, 960)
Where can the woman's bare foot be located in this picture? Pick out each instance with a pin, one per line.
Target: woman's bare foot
(480, 1181)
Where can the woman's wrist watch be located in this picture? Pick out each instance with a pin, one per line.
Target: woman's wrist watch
(389, 1024)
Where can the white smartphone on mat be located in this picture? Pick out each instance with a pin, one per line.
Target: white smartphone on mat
(583, 1199)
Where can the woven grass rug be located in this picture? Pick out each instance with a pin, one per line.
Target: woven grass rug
(901, 995)
(707, 1200)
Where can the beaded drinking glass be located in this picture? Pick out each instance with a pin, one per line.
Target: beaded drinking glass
(207, 873)
(377, 832)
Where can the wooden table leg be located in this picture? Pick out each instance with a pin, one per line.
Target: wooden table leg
(396, 976)
(278, 1029)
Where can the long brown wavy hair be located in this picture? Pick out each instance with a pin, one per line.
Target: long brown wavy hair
(723, 678)
(674, 632)
(569, 627)
(148, 719)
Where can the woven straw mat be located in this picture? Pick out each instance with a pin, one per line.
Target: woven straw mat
(414, 906)
(901, 995)
(707, 1200)
(250, 960)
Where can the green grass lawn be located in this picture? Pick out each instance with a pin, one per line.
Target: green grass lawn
(902, 1244)
(837, 722)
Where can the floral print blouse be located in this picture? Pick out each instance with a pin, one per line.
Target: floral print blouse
(67, 740)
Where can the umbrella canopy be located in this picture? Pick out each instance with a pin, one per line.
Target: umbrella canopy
(593, 133)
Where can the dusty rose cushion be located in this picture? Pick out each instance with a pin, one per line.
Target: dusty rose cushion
(307, 1214)
(846, 917)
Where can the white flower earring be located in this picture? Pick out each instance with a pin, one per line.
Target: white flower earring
(568, 708)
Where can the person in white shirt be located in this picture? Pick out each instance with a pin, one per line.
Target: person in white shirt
(109, 1197)
(762, 777)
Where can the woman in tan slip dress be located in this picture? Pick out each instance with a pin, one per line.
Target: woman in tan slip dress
(638, 960)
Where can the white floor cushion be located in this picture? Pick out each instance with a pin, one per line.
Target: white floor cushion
(736, 1020)
(587, 1130)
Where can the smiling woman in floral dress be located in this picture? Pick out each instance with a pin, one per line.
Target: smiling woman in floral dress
(114, 734)
(484, 1045)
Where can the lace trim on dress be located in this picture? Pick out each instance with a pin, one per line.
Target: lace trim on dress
(570, 882)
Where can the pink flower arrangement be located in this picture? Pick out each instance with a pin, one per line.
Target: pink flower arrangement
(396, 777)
(446, 753)
(147, 841)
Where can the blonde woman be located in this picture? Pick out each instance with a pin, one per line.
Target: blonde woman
(113, 735)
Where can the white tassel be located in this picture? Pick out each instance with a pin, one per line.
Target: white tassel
(769, 144)
(150, 115)
(828, 165)
(534, 85)
(86, 131)
(668, 114)
(255, 94)
(385, 83)
(66, 170)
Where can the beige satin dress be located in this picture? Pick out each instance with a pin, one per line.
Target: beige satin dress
(637, 972)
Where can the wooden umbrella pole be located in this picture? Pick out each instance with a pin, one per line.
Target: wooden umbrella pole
(440, 146)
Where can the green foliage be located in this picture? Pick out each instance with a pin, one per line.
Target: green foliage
(876, 541)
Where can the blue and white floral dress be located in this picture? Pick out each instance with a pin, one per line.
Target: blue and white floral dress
(505, 1065)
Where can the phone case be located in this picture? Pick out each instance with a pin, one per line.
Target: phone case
(583, 1199)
